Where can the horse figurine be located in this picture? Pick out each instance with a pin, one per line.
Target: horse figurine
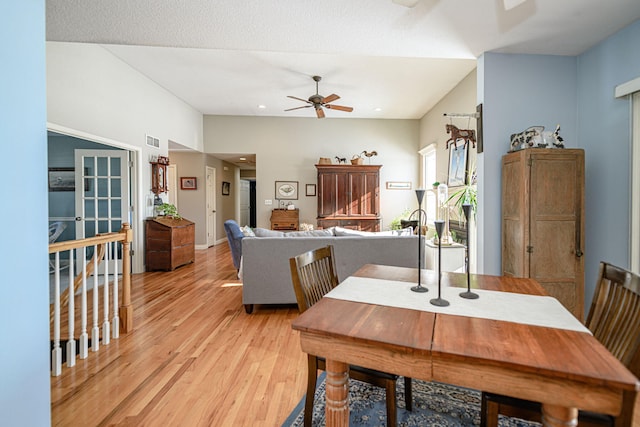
(341, 159)
(457, 134)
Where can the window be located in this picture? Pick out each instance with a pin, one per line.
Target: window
(428, 178)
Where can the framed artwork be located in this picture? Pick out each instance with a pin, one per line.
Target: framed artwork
(188, 183)
(62, 179)
(310, 190)
(398, 185)
(226, 188)
(458, 163)
(287, 190)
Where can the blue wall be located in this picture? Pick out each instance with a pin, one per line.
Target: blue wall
(605, 133)
(24, 306)
(578, 93)
(517, 91)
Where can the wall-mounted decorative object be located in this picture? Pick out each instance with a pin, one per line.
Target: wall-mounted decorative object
(62, 179)
(477, 134)
(398, 185)
(458, 163)
(226, 188)
(159, 174)
(188, 183)
(464, 135)
(287, 190)
(310, 190)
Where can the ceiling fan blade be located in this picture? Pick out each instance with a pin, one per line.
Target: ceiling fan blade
(299, 99)
(330, 98)
(320, 112)
(339, 107)
(297, 108)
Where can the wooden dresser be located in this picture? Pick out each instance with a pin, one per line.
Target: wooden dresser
(285, 219)
(169, 243)
(349, 196)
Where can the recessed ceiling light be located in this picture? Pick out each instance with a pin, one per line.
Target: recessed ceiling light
(377, 109)
(262, 107)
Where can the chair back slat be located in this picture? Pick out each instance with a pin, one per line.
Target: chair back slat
(614, 316)
(313, 274)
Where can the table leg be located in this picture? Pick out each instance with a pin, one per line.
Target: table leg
(337, 390)
(559, 416)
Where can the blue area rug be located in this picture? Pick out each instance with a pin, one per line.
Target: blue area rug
(434, 405)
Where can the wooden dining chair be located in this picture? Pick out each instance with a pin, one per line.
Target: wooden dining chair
(314, 274)
(614, 319)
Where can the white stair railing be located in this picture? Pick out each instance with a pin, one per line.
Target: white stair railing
(120, 319)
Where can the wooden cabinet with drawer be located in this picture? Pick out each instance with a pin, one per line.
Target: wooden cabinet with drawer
(169, 243)
(285, 219)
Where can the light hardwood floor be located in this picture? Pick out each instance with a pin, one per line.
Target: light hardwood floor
(195, 358)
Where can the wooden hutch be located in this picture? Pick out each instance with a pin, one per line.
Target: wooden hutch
(349, 196)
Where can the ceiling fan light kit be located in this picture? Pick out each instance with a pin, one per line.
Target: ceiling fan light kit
(318, 102)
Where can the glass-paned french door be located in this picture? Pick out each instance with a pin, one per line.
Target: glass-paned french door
(102, 196)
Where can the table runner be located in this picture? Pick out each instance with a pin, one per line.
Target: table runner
(506, 306)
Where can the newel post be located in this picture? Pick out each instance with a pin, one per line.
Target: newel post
(126, 309)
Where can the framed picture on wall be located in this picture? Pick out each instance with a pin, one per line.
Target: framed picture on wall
(188, 183)
(310, 190)
(226, 188)
(458, 163)
(287, 190)
(62, 179)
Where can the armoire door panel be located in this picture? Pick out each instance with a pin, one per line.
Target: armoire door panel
(553, 253)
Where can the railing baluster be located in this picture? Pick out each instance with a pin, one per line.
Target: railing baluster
(71, 344)
(56, 352)
(106, 333)
(104, 245)
(115, 325)
(84, 337)
(95, 331)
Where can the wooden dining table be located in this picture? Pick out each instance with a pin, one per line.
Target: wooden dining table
(564, 369)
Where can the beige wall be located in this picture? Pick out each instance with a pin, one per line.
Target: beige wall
(461, 99)
(93, 95)
(288, 148)
(192, 203)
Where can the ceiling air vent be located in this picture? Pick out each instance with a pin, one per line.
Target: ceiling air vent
(153, 142)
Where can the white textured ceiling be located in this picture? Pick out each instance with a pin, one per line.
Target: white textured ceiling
(227, 56)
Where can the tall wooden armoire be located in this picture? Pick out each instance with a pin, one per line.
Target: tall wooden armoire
(543, 221)
(349, 196)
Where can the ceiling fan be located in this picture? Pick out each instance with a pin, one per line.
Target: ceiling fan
(318, 101)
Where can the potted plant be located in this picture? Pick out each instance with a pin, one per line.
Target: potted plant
(168, 210)
(467, 194)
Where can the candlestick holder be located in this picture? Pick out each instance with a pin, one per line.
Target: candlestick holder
(440, 302)
(466, 208)
(419, 287)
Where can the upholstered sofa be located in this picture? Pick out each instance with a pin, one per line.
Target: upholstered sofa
(265, 270)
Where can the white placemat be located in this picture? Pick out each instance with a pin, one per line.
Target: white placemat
(511, 307)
